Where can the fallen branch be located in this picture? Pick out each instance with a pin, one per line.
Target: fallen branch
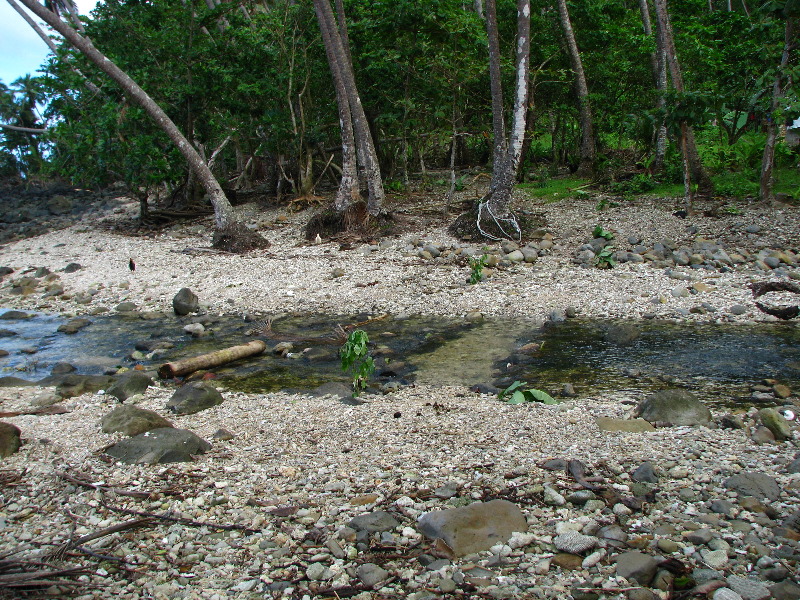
(59, 552)
(104, 488)
(181, 520)
(782, 312)
(211, 360)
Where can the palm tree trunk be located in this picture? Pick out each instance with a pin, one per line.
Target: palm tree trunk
(766, 179)
(582, 90)
(363, 136)
(348, 186)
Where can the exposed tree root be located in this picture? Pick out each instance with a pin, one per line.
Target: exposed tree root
(355, 220)
(237, 238)
(465, 227)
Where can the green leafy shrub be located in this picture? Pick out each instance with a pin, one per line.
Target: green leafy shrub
(599, 232)
(356, 359)
(638, 184)
(517, 393)
(605, 259)
(476, 265)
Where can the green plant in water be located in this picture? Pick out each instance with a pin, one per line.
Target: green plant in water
(356, 359)
(517, 393)
(476, 265)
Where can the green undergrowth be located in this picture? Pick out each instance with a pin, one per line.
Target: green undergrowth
(556, 189)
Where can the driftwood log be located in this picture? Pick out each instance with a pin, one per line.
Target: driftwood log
(782, 312)
(211, 360)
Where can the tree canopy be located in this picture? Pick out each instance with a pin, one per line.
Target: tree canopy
(248, 83)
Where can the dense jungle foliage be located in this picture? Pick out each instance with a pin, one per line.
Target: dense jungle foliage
(249, 84)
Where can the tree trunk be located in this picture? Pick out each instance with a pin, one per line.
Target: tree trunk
(211, 360)
(658, 61)
(348, 185)
(494, 219)
(698, 173)
(362, 134)
(766, 180)
(224, 214)
(584, 106)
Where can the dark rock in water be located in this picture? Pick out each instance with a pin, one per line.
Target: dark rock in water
(10, 381)
(645, 473)
(5, 271)
(129, 384)
(475, 527)
(72, 267)
(159, 446)
(132, 420)
(194, 397)
(4, 333)
(62, 368)
(753, 484)
(9, 439)
(185, 302)
(622, 334)
(637, 566)
(675, 406)
(150, 345)
(380, 520)
(15, 315)
(74, 325)
(3, 353)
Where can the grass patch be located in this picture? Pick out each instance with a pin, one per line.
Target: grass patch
(787, 181)
(555, 189)
(667, 190)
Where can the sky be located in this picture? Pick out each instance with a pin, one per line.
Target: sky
(21, 50)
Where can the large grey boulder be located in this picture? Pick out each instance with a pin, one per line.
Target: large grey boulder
(185, 302)
(757, 485)
(9, 439)
(129, 384)
(678, 407)
(475, 527)
(132, 420)
(158, 446)
(194, 397)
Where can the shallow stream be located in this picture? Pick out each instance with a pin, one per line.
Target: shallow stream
(718, 362)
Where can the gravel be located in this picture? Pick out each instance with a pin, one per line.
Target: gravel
(266, 514)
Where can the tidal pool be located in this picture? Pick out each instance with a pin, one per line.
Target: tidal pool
(719, 362)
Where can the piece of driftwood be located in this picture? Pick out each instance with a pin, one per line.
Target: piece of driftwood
(211, 360)
(782, 312)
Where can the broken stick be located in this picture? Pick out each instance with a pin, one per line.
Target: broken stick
(211, 360)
